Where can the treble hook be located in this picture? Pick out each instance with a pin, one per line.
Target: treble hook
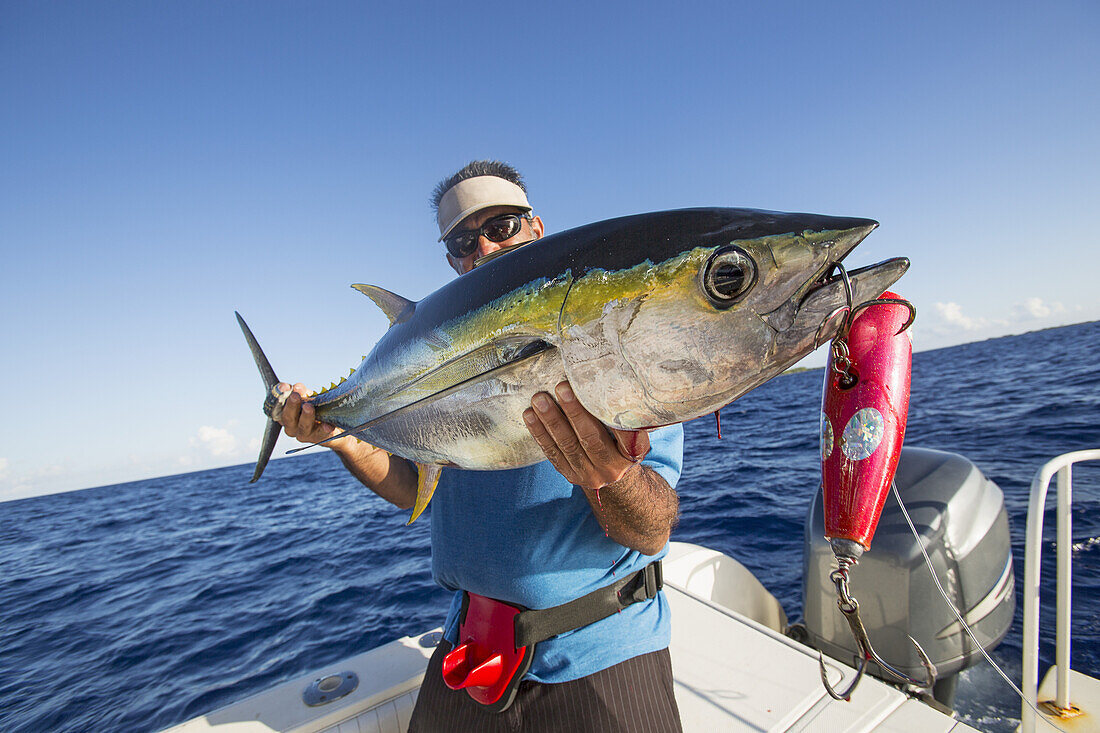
(851, 310)
(846, 324)
(891, 301)
(850, 608)
(818, 340)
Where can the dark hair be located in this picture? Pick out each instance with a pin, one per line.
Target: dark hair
(474, 169)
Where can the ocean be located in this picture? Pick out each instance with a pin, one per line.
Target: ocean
(138, 606)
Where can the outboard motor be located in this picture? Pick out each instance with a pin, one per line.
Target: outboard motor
(961, 517)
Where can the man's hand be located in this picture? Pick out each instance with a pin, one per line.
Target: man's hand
(392, 478)
(299, 420)
(636, 507)
(580, 447)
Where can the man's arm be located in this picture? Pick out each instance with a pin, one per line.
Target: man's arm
(391, 477)
(634, 504)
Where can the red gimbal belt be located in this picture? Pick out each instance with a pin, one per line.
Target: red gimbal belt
(497, 640)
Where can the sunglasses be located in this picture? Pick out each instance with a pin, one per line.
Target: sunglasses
(498, 229)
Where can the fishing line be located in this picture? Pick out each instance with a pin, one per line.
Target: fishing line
(958, 615)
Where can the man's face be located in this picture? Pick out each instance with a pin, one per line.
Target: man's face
(528, 230)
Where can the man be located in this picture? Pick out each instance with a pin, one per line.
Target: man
(590, 520)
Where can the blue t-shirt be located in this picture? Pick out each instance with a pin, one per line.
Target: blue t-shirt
(529, 537)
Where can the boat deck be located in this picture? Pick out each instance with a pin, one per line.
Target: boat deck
(732, 673)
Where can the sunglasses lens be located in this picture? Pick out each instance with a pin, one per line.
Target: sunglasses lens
(462, 244)
(501, 228)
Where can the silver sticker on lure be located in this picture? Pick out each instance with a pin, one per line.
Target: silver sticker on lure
(826, 437)
(862, 434)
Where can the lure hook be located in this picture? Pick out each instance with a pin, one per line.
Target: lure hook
(892, 301)
(846, 309)
(850, 310)
(850, 608)
(818, 340)
(848, 297)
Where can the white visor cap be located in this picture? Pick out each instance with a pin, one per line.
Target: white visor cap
(474, 194)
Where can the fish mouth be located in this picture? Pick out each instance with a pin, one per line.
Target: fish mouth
(836, 274)
(843, 246)
(806, 285)
(839, 289)
(819, 315)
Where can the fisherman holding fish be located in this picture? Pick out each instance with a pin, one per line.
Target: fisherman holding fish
(555, 565)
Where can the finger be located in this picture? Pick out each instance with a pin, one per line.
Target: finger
(297, 421)
(562, 433)
(633, 444)
(307, 421)
(598, 444)
(553, 454)
(291, 414)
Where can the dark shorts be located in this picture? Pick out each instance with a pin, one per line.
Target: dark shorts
(635, 695)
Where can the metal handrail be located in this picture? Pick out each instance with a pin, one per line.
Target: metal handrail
(1032, 554)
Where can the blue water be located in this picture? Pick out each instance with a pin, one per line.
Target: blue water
(138, 606)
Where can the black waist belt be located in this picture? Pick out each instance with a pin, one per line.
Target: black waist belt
(533, 626)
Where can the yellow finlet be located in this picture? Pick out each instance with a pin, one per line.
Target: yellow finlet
(427, 479)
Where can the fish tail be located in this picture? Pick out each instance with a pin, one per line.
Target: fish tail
(271, 432)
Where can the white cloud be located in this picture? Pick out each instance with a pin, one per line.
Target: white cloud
(3, 467)
(1036, 308)
(952, 315)
(218, 441)
(947, 323)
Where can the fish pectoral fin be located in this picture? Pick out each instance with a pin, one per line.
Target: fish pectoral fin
(396, 308)
(427, 479)
(474, 364)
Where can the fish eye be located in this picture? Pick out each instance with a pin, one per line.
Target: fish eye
(728, 274)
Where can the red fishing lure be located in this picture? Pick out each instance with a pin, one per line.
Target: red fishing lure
(863, 413)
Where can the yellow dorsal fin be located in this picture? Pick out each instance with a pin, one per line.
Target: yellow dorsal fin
(396, 308)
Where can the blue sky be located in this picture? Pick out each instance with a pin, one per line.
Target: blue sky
(165, 163)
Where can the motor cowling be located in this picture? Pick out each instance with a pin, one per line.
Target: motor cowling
(961, 517)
